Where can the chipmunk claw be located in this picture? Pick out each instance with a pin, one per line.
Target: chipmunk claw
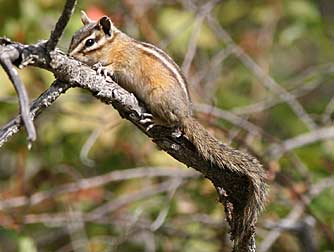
(150, 126)
(147, 118)
(102, 70)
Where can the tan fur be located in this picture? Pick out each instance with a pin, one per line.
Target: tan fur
(84, 18)
(160, 86)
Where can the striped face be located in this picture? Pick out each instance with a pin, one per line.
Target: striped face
(90, 38)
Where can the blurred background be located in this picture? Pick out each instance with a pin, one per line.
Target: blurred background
(260, 75)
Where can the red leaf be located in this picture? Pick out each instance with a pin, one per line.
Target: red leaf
(95, 13)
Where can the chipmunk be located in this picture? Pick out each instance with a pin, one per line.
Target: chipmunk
(156, 80)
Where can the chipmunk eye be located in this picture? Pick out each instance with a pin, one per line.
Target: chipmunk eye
(89, 42)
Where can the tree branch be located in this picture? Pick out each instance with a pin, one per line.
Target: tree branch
(60, 25)
(42, 102)
(276, 150)
(265, 79)
(96, 181)
(7, 57)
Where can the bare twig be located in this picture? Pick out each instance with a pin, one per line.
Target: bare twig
(86, 147)
(45, 100)
(320, 186)
(122, 220)
(272, 101)
(147, 172)
(203, 12)
(209, 72)
(295, 214)
(76, 231)
(127, 199)
(192, 46)
(60, 25)
(329, 110)
(276, 150)
(91, 141)
(292, 217)
(175, 184)
(8, 56)
(265, 79)
(302, 228)
(230, 117)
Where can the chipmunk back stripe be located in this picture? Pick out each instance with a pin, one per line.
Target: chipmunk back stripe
(166, 61)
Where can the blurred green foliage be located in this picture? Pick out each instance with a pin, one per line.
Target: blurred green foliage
(292, 41)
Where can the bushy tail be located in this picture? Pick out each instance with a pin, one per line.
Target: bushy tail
(231, 160)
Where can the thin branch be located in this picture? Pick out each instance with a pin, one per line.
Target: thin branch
(209, 72)
(329, 110)
(91, 140)
(122, 220)
(84, 184)
(265, 79)
(302, 228)
(87, 146)
(8, 56)
(76, 230)
(296, 213)
(272, 236)
(274, 100)
(129, 198)
(203, 12)
(159, 221)
(276, 150)
(229, 117)
(42, 102)
(60, 25)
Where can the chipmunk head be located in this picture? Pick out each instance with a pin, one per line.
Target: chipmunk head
(88, 42)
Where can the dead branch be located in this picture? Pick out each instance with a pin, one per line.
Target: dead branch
(276, 150)
(7, 57)
(60, 25)
(265, 79)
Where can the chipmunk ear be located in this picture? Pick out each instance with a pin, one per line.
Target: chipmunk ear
(106, 24)
(85, 19)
